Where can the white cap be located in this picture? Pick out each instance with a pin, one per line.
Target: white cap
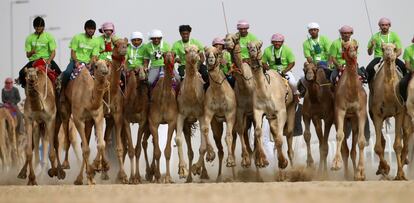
(155, 33)
(136, 35)
(313, 25)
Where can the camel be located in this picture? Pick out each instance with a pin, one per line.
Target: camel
(65, 141)
(40, 108)
(275, 105)
(317, 107)
(220, 106)
(163, 110)
(350, 103)
(385, 103)
(114, 101)
(136, 107)
(409, 143)
(243, 89)
(190, 103)
(86, 108)
(8, 144)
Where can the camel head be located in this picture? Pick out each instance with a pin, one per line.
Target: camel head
(309, 69)
(350, 50)
(212, 56)
(390, 51)
(231, 41)
(169, 61)
(192, 54)
(101, 68)
(31, 75)
(254, 48)
(120, 47)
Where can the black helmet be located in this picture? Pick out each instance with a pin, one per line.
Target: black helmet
(90, 24)
(183, 28)
(38, 22)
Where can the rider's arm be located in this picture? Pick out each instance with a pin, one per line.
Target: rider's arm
(52, 56)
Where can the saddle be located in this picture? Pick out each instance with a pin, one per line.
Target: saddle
(40, 64)
(12, 109)
(77, 70)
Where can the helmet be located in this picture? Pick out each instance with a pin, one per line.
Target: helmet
(217, 40)
(313, 25)
(242, 24)
(136, 35)
(155, 33)
(277, 38)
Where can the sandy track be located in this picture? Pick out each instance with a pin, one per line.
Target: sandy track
(320, 192)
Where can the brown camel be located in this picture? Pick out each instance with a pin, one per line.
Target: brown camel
(114, 101)
(219, 105)
(243, 89)
(409, 144)
(317, 107)
(40, 108)
(8, 145)
(350, 103)
(136, 107)
(190, 103)
(385, 103)
(86, 108)
(274, 105)
(163, 110)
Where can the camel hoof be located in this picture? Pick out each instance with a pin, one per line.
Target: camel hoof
(282, 163)
(32, 182)
(136, 180)
(210, 154)
(189, 179)
(360, 175)
(78, 181)
(22, 174)
(261, 161)
(61, 174)
(196, 169)
(230, 162)
(52, 172)
(149, 175)
(204, 175)
(336, 165)
(219, 179)
(65, 165)
(383, 169)
(400, 177)
(105, 166)
(310, 163)
(182, 172)
(104, 176)
(122, 178)
(97, 165)
(168, 180)
(245, 163)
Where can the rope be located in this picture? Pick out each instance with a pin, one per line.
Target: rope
(44, 98)
(368, 16)
(225, 18)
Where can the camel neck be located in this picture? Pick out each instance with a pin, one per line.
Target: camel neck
(100, 87)
(236, 55)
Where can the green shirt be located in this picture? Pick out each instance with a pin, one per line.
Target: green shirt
(391, 37)
(135, 57)
(336, 51)
(105, 55)
(226, 66)
(179, 48)
(84, 47)
(243, 44)
(43, 44)
(409, 55)
(150, 52)
(285, 53)
(309, 50)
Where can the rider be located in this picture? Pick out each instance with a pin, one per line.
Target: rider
(105, 41)
(10, 97)
(375, 46)
(179, 49)
(280, 57)
(153, 52)
(409, 65)
(135, 54)
(39, 45)
(84, 50)
(226, 61)
(245, 38)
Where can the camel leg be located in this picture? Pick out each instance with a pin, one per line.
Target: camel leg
(149, 172)
(276, 128)
(399, 119)
(157, 152)
(260, 159)
(29, 153)
(355, 138)
(65, 125)
(383, 167)
(204, 130)
(46, 149)
(217, 129)
(406, 140)
(325, 147)
(141, 130)
(122, 177)
(182, 171)
(167, 151)
(56, 169)
(318, 128)
(230, 121)
(340, 116)
(36, 143)
(131, 150)
(362, 117)
(190, 153)
(241, 126)
(307, 137)
(345, 154)
(85, 153)
(28, 149)
(289, 126)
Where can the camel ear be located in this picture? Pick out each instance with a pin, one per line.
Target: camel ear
(259, 44)
(236, 38)
(25, 70)
(205, 48)
(126, 40)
